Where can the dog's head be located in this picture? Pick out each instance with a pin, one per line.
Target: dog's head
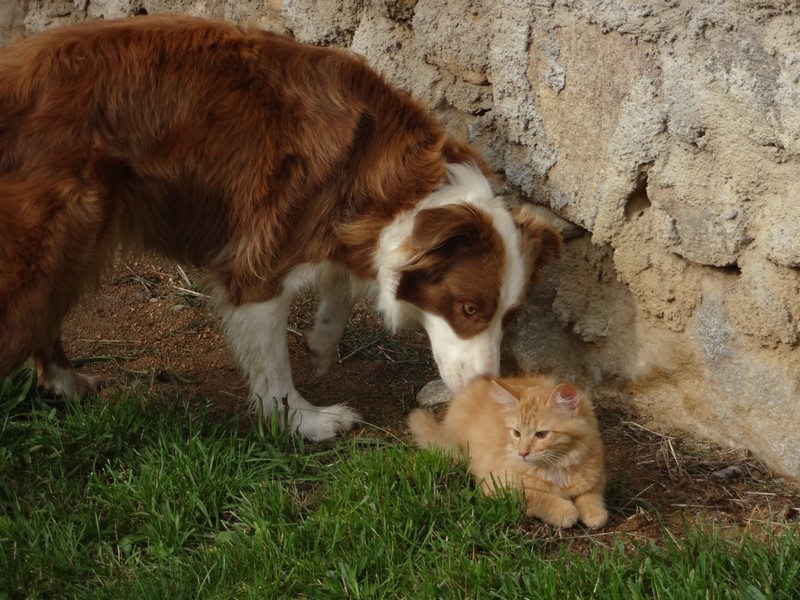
(468, 266)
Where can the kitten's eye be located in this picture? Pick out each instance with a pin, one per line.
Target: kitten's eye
(469, 309)
(540, 435)
(515, 433)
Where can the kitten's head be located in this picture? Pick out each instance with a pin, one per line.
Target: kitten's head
(548, 424)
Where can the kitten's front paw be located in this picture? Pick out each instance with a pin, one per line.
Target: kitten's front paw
(561, 513)
(595, 519)
(592, 510)
(567, 518)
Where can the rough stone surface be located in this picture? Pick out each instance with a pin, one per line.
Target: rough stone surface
(12, 20)
(333, 22)
(662, 137)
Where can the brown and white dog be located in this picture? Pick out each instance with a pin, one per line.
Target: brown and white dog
(277, 166)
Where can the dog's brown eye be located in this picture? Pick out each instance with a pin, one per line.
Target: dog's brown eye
(469, 309)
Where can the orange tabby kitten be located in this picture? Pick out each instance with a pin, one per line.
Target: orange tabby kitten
(530, 433)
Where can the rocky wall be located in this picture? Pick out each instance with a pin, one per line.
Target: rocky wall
(663, 138)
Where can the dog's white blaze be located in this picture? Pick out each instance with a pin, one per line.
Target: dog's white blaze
(462, 359)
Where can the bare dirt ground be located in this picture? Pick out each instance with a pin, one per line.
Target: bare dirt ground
(149, 327)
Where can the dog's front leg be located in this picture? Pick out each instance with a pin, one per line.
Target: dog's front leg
(256, 333)
(335, 306)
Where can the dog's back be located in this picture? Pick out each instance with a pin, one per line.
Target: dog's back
(174, 117)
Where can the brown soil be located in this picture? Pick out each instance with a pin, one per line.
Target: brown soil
(144, 329)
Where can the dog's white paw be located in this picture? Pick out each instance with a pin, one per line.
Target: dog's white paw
(324, 422)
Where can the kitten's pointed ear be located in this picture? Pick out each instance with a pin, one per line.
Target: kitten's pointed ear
(501, 395)
(566, 398)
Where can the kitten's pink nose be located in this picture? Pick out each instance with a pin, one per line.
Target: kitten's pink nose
(523, 454)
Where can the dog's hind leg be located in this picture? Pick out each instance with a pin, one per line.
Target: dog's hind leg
(15, 346)
(57, 376)
(30, 330)
(256, 333)
(53, 239)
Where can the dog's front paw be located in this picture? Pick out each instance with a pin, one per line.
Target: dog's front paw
(324, 422)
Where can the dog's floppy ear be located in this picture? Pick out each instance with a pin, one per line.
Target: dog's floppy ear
(453, 256)
(440, 234)
(437, 228)
(441, 238)
(540, 243)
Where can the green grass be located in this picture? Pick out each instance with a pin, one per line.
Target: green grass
(134, 499)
